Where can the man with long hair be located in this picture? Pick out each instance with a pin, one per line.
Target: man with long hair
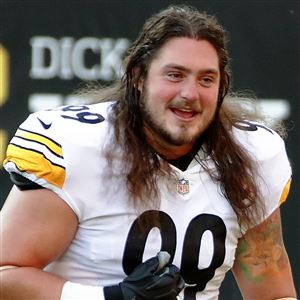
(154, 191)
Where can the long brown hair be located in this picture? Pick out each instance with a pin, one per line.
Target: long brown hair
(236, 171)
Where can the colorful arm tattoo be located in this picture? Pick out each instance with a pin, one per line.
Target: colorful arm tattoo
(261, 251)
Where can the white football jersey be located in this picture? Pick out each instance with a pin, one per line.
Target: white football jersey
(63, 150)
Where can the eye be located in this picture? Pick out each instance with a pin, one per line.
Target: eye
(174, 76)
(207, 81)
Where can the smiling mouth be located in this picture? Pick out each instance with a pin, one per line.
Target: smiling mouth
(185, 114)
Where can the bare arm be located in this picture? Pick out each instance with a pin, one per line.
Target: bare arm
(262, 267)
(36, 228)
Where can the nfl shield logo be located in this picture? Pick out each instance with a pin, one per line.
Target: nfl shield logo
(183, 186)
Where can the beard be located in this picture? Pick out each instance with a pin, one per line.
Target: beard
(159, 127)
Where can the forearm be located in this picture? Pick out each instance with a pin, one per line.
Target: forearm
(262, 268)
(29, 283)
(155, 278)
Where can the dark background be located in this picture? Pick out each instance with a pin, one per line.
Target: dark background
(264, 47)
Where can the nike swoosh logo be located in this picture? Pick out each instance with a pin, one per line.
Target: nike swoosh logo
(46, 126)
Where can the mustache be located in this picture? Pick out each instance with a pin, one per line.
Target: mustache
(185, 104)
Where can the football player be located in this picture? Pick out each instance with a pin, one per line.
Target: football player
(162, 163)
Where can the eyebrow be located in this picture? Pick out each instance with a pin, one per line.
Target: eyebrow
(183, 68)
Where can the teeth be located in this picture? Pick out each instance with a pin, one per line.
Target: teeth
(185, 109)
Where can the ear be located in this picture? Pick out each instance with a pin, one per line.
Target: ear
(140, 85)
(139, 81)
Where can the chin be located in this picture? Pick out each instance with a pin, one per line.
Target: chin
(183, 139)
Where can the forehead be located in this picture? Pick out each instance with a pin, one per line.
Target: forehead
(187, 52)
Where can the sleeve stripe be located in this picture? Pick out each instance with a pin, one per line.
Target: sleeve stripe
(21, 149)
(34, 162)
(38, 142)
(37, 133)
(285, 192)
(53, 146)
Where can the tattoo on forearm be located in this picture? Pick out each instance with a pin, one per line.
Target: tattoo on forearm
(262, 251)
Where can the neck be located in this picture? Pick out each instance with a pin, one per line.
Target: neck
(167, 150)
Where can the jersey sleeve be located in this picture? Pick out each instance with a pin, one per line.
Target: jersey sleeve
(61, 150)
(23, 183)
(274, 171)
(35, 152)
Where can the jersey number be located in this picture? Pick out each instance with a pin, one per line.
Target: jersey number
(137, 237)
(249, 126)
(82, 114)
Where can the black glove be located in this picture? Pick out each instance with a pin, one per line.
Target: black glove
(153, 279)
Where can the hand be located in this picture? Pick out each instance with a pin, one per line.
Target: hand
(153, 279)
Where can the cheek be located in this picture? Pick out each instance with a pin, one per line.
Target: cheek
(210, 99)
(162, 95)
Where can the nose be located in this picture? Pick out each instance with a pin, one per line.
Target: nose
(190, 89)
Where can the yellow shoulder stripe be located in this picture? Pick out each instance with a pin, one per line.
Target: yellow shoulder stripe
(31, 161)
(54, 147)
(285, 192)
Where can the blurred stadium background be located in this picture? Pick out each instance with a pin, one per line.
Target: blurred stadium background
(48, 49)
